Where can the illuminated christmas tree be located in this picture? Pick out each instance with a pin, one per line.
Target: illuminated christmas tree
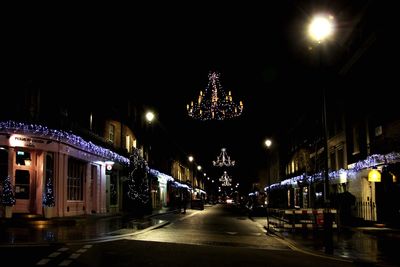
(138, 180)
(48, 196)
(7, 197)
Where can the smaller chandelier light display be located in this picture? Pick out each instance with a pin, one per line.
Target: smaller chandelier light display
(224, 160)
(214, 103)
(225, 179)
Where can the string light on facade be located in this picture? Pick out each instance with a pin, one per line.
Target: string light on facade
(371, 161)
(12, 127)
(224, 160)
(214, 103)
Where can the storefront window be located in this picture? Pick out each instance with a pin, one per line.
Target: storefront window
(3, 163)
(76, 174)
(22, 178)
(23, 158)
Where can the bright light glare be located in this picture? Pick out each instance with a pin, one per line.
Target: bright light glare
(149, 116)
(321, 28)
(268, 143)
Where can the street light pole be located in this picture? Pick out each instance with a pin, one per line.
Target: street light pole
(150, 116)
(320, 29)
(268, 144)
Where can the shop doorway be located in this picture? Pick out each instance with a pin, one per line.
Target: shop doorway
(24, 181)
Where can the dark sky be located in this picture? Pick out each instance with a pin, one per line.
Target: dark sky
(162, 56)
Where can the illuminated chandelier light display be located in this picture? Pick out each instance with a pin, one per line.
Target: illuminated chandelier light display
(214, 104)
(225, 179)
(224, 160)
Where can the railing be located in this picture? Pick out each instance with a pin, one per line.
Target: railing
(299, 218)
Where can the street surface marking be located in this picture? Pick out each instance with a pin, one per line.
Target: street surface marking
(188, 216)
(232, 233)
(74, 256)
(82, 250)
(62, 249)
(54, 254)
(257, 234)
(43, 262)
(65, 263)
(87, 246)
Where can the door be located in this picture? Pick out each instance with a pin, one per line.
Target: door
(24, 181)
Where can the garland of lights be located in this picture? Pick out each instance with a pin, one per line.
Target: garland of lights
(224, 160)
(214, 104)
(371, 161)
(61, 136)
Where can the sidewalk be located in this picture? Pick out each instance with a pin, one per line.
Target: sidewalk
(373, 245)
(38, 230)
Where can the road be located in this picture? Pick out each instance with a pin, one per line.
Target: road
(215, 236)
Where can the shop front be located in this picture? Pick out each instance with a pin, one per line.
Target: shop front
(74, 168)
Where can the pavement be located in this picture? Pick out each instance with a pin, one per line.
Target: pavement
(371, 246)
(36, 230)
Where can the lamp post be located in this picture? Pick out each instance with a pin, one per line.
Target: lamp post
(150, 116)
(268, 144)
(320, 29)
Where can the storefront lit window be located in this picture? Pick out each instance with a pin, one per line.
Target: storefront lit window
(76, 174)
(23, 158)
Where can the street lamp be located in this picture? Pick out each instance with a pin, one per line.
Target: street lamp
(321, 29)
(268, 144)
(150, 116)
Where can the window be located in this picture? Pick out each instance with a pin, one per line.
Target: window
(111, 133)
(3, 163)
(128, 143)
(23, 158)
(134, 143)
(356, 140)
(340, 158)
(76, 174)
(22, 181)
(332, 157)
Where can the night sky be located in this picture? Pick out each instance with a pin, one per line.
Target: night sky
(162, 59)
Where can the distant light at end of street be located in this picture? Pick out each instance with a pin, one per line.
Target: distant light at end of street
(191, 158)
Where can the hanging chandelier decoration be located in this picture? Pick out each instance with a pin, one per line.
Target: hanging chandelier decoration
(225, 179)
(213, 103)
(224, 160)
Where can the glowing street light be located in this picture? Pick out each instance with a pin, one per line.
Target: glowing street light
(320, 29)
(150, 116)
(268, 144)
(191, 158)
